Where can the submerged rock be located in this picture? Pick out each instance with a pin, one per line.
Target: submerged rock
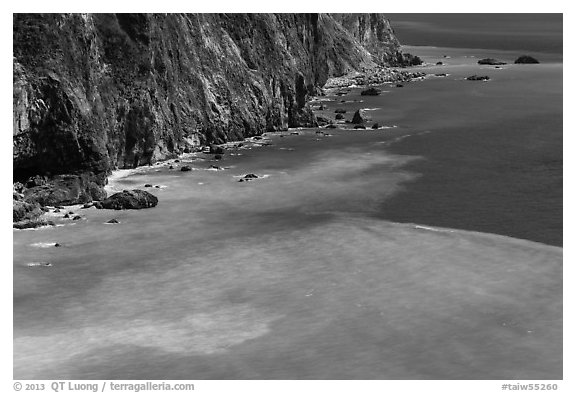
(359, 127)
(340, 111)
(185, 168)
(76, 218)
(370, 92)
(130, 199)
(339, 116)
(39, 264)
(526, 60)
(478, 78)
(147, 185)
(375, 126)
(113, 221)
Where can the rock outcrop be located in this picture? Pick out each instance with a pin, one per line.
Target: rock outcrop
(491, 61)
(525, 59)
(359, 117)
(130, 199)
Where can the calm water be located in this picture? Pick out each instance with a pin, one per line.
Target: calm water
(526, 32)
(303, 274)
(492, 154)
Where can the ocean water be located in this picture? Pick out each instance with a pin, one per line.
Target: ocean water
(526, 32)
(305, 273)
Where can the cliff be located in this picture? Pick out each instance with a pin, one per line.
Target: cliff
(100, 91)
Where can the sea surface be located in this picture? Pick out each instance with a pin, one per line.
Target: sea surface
(426, 249)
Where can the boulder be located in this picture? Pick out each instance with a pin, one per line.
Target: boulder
(439, 63)
(339, 116)
(340, 111)
(490, 61)
(359, 127)
(218, 157)
(251, 176)
(399, 85)
(147, 185)
(526, 60)
(130, 199)
(375, 126)
(359, 117)
(113, 221)
(76, 218)
(370, 92)
(321, 120)
(186, 168)
(216, 149)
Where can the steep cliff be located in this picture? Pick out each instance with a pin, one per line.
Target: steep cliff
(100, 91)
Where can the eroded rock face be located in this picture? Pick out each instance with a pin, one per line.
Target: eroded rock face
(130, 199)
(101, 91)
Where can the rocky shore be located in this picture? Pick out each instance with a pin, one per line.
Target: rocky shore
(372, 76)
(97, 92)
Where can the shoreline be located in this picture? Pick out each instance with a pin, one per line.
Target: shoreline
(115, 176)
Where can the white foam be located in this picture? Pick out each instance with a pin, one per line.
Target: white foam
(43, 245)
(426, 228)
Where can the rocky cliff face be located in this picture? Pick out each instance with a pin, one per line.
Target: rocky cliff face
(96, 92)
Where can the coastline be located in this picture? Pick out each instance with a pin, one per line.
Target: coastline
(284, 278)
